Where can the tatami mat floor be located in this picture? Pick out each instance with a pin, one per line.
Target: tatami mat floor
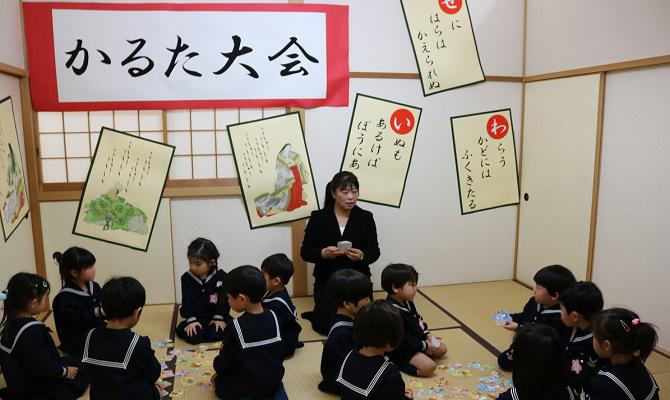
(460, 314)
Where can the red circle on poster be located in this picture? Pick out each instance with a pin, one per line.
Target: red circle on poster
(450, 6)
(402, 121)
(497, 126)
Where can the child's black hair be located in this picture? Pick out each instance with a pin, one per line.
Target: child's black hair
(342, 180)
(247, 280)
(74, 259)
(349, 285)
(625, 331)
(204, 249)
(22, 288)
(397, 275)
(556, 278)
(540, 366)
(278, 265)
(584, 298)
(122, 296)
(378, 325)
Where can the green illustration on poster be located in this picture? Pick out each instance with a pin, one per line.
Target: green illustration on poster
(111, 211)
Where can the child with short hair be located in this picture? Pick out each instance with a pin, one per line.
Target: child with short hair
(620, 337)
(29, 360)
(121, 363)
(579, 304)
(540, 368)
(415, 353)
(249, 364)
(205, 317)
(77, 306)
(543, 307)
(277, 271)
(349, 290)
(367, 373)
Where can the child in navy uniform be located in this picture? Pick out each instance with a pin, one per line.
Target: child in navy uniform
(29, 360)
(543, 307)
(277, 271)
(349, 290)
(77, 306)
(367, 373)
(540, 367)
(579, 304)
(205, 317)
(415, 353)
(249, 365)
(620, 337)
(121, 363)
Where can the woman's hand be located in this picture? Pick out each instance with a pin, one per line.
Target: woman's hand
(192, 328)
(331, 252)
(354, 254)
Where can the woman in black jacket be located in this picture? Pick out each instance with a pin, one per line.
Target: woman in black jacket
(340, 235)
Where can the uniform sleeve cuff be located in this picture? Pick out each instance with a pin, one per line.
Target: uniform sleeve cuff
(64, 372)
(192, 319)
(424, 345)
(96, 311)
(218, 317)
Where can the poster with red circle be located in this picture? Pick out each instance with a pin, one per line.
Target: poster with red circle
(497, 127)
(450, 6)
(402, 121)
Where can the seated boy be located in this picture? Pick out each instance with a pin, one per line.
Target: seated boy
(277, 271)
(249, 365)
(349, 290)
(542, 308)
(121, 363)
(366, 373)
(579, 304)
(418, 347)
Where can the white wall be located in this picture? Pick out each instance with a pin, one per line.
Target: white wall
(568, 34)
(632, 253)
(17, 253)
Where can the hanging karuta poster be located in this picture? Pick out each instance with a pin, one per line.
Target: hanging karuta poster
(485, 156)
(379, 148)
(13, 184)
(123, 189)
(444, 44)
(273, 169)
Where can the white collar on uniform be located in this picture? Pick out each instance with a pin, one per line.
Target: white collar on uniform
(246, 345)
(18, 334)
(405, 309)
(79, 292)
(625, 389)
(279, 299)
(110, 364)
(582, 338)
(209, 277)
(515, 395)
(364, 392)
(338, 324)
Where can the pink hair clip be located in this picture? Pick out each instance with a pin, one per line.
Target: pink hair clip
(635, 322)
(625, 326)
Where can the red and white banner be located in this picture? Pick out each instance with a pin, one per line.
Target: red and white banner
(95, 56)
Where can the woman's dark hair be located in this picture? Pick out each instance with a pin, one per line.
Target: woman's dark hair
(205, 250)
(555, 278)
(122, 296)
(397, 275)
(584, 298)
(247, 280)
(540, 367)
(278, 265)
(379, 325)
(21, 290)
(625, 331)
(349, 285)
(74, 259)
(342, 180)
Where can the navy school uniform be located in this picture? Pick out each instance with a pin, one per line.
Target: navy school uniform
(249, 364)
(339, 343)
(32, 367)
(582, 358)
(285, 311)
(121, 365)
(374, 378)
(534, 313)
(630, 381)
(76, 312)
(414, 336)
(563, 394)
(201, 303)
